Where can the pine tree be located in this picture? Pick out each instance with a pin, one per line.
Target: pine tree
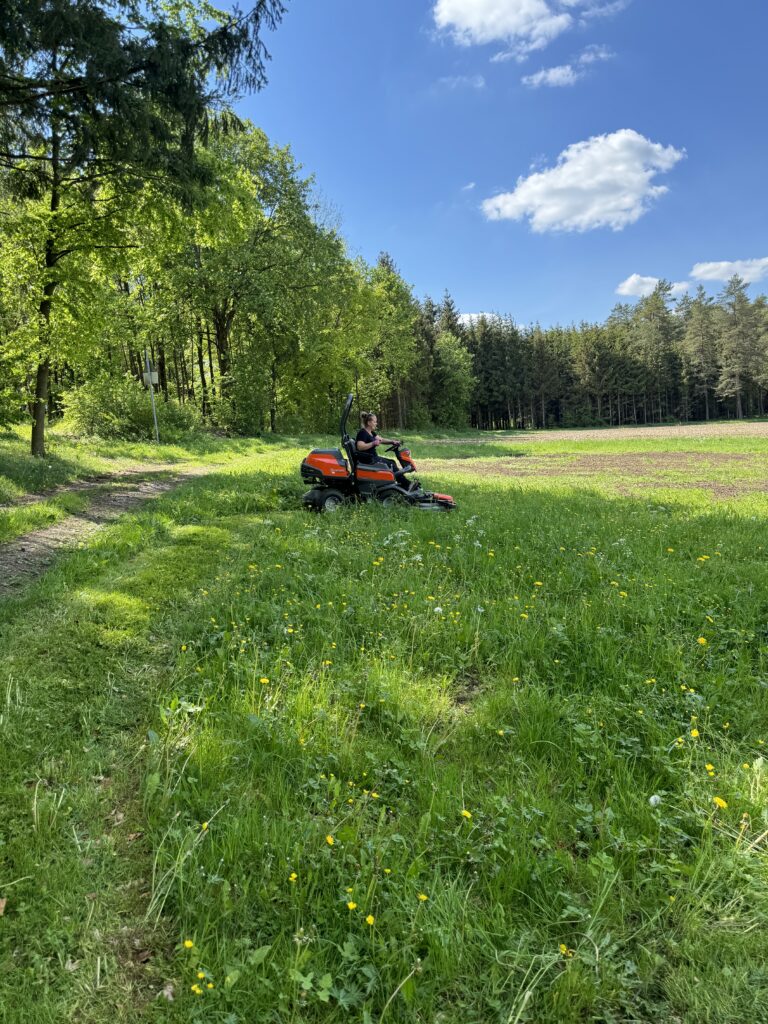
(740, 343)
(700, 344)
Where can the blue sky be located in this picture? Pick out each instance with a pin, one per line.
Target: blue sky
(635, 147)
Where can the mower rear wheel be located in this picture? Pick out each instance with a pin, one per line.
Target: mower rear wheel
(329, 501)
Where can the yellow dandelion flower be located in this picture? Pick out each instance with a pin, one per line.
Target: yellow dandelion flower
(565, 951)
(702, 641)
(719, 802)
(183, 647)
(387, 871)
(292, 877)
(695, 733)
(466, 814)
(196, 989)
(423, 897)
(351, 905)
(330, 840)
(709, 767)
(370, 919)
(264, 680)
(188, 944)
(201, 974)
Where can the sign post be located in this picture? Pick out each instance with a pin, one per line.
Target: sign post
(150, 379)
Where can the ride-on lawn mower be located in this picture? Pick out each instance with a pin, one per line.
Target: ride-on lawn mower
(336, 479)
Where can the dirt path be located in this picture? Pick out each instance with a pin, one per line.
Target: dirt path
(27, 557)
(98, 480)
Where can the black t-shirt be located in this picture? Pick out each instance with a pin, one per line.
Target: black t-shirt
(366, 437)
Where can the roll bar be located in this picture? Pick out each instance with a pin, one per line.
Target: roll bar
(345, 415)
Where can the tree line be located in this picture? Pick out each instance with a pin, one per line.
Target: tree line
(142, 221)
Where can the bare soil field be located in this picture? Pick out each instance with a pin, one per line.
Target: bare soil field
(723, 474)
(663, 431)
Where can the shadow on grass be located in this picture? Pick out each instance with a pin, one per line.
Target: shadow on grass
(22, 473)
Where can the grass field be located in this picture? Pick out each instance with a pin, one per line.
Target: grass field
(496, 766)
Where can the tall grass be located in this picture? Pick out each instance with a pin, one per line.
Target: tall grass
(394, 767)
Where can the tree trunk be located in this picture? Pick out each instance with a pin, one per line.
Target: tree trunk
(273, 400)
(201, 368)
(210, 360)
(177, 377)
(161, 370)
(40, 402)
(222, 325)
(39, 408)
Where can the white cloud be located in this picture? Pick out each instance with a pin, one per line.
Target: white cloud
(523, 25)
(526, 24)
(467, 319)
(637, 286)
(594, 53)
(468, 187)
(461, 82)
(604, 10)
(568, 74)
(750, 270)
(606, 181)
(564, 74)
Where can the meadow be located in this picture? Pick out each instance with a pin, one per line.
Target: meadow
(494, 766)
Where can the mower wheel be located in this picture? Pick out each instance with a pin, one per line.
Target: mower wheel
(329, 500)
(391, 498)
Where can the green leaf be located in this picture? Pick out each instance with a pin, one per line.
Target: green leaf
(258, 956)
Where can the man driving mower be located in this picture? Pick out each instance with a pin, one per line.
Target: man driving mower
(367, 441)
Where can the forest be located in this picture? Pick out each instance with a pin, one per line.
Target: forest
(166, 229)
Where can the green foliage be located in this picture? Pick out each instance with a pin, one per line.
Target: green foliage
(120, 407)
(452, 382)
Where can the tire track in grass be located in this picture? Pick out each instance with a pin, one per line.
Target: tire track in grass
(28, 556)
(83, 654)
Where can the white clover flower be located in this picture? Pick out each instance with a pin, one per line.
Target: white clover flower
(437, 610)
(654, 800)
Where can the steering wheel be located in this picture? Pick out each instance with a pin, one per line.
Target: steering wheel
(392, 447)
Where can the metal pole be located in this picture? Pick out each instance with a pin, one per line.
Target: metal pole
(152, 393)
